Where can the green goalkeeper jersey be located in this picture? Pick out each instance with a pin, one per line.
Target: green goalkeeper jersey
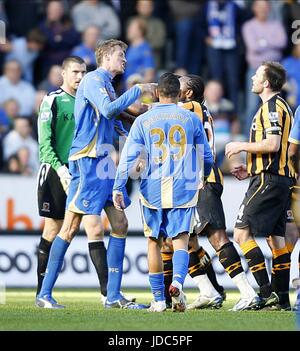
(56, 126)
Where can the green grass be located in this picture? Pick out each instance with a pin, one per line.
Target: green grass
(85, 312)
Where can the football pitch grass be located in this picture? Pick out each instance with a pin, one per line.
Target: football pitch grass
(84, 312)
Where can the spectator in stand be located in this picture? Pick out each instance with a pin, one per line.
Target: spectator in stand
(86, 50)
(12, 165)
(264, 40)
(60, 33)
(19, 163)
(53, 81)
(226, 124)
(11, 109)
(25, 51)
(292, 66)
(24, 159)
(155, 29)
(124, 10)
(40, 94)
(139, 55)
(22, 16)
(189, 34)
(97, 13)
(20, 137)
(222, 21)
(11, 86)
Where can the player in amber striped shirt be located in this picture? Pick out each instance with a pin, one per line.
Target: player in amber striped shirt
(263, 210)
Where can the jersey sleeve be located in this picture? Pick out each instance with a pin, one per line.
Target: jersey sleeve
(133, 148)
(202, 145)
(46, 138)
(95, 91)
(272, 118)
(294, 137)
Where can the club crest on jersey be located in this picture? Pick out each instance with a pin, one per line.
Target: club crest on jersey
(273, 116)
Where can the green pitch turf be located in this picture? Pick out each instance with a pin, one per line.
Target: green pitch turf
(85, 312)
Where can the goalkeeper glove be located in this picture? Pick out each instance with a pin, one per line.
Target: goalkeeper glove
(64, 177)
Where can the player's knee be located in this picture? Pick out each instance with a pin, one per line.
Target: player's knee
(50, 231)
(95, 233)
(218, 238)
(193, 242)
(68, 234)
(120, 227)
(49, 234)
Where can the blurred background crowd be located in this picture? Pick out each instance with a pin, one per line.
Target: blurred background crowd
(224, 41)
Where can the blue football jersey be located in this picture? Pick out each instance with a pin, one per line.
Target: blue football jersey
(173, 143)
(95, 113)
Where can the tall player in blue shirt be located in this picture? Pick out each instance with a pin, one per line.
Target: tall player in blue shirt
(172, 142)
(93, 171)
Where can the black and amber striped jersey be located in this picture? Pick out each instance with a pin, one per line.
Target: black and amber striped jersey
(273, 117)
(203, 113)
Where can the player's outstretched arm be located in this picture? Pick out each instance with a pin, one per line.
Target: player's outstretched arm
(126, 117)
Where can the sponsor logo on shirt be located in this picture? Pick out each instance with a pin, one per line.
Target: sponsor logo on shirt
(273, 116)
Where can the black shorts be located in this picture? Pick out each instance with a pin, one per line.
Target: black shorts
(209, 209)
(51, 195)
(265, 204)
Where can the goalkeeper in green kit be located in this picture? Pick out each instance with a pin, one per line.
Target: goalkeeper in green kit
(56, 126)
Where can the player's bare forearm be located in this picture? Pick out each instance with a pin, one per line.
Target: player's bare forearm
(270, 144)
(293, 154)
(137, 109)
(126, 117)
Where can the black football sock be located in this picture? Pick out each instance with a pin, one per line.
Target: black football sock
(230, 259)
(195, 267)
(281, 264)
(42, 257)
(98, 256)
(209, 270)
(168, 273)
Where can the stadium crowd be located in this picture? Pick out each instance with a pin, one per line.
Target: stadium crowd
(223, 41)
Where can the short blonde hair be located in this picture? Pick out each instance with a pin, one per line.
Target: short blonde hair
(107, 47)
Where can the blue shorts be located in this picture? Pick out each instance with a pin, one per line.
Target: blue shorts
(90, 191)
(167, 223)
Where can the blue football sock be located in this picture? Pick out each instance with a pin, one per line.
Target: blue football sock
(115, 257)
(180, 265)
(56, 259)
(157, 286)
